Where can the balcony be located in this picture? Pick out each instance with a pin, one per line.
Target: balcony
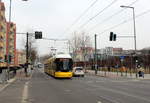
(1, 44)
(11, 51)
(1, 55)
(11, 37)
(1, 49)
(2, 35)
(2, 23)
(2, 40)
(2, 8)
(11, 45)
(11, 32)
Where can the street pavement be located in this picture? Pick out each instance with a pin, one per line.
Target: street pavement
(42, 88)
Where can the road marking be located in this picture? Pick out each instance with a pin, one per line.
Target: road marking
(9, 82)
(98, 81)
(122, 92)
(108, 99)
(99, 102)
(67, 90)
(25, 93)
(89, 81)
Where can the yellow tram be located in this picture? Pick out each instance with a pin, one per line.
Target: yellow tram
(59, 66)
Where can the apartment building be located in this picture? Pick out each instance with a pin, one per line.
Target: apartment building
(11, 41)
(2, 35)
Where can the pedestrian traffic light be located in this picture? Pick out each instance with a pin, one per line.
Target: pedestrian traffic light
(9, 58)
(38, 35)
(112, 36)
(5, 58)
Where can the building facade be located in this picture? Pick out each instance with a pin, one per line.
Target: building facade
(117, 51)
(11, 42)
(84, 54)
(20, 58)
(110, 51)
(2, 35)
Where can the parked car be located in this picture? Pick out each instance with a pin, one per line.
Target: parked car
(78, 71)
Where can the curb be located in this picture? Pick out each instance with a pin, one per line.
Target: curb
(8, 83)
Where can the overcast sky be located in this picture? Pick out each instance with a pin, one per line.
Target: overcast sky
(55, 17)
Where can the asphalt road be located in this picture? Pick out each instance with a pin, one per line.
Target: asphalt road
(41, 88)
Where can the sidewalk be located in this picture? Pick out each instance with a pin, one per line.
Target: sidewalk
(21, 74)
(4, 83)
(7, 83)
(118, 75)
(3, 76)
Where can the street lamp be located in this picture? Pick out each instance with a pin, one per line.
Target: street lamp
(122, 6)
(133, 24)
(10, 5)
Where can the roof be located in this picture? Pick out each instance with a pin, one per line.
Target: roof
(58, 56)
(62, 56)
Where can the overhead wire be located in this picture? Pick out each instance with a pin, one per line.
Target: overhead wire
(98, 13)
(110, 17)
(54, 39)
(43, 38)
(93, 3)
(117, 25)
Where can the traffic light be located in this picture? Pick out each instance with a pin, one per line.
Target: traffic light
(112, 36)
(115, 37)
(38, 35)
(9, 58)
(5, 58)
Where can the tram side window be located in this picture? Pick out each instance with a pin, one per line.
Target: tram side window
(57, 64)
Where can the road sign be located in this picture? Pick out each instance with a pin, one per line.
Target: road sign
(122, 57)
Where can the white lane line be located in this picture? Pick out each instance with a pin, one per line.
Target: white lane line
(99, 81)
(67, 90)
(99, 102)
(9, 82)
(122, 92)
(110, 99)
(25, 93)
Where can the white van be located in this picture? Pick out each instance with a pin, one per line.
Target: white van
(78, 71)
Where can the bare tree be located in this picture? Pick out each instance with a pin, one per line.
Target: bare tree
(32, 49)
(85, 40)
(75, 44)
(80, 42)
(33, 54)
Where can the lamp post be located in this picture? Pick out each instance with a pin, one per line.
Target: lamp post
(10, 6)
(134, 30)
(96, 66)
(10, 10)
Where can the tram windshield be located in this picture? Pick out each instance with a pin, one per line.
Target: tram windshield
(64, 64)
